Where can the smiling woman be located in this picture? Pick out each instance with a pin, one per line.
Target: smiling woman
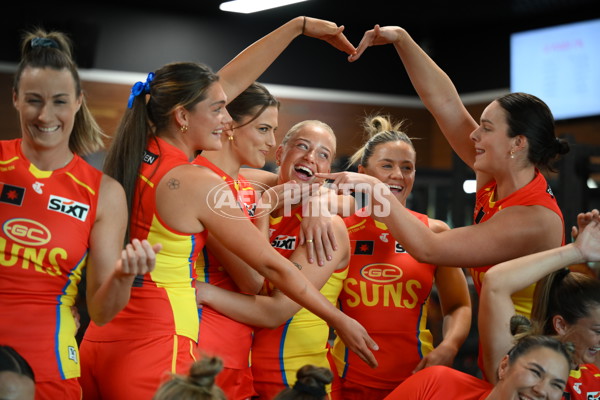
(387, 289)
(184, 112)
(42, 266)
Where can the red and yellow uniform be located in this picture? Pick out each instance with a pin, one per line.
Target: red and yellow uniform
(536, 192)
(440, 383)
(277, 354)
(157, 331)
(583, 383)
(387, 291)
(46, 219)
(220, 335)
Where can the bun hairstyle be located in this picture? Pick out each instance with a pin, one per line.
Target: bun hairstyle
(41, 49)
(310, 384)
(529, 116)
(199, 384)
(378, 129)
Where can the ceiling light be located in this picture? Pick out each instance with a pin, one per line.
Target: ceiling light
(251, 6)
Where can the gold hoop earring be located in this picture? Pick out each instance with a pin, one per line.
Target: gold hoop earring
(183, 128)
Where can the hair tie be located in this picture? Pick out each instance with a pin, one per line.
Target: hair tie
(562, 273)
(43, 42)
(315, 391)
(140, 88)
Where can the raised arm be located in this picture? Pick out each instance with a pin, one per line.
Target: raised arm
(272, 311)
(111, 269)
(500, 282)
(511, 233)
(432, 84)
(248, 65)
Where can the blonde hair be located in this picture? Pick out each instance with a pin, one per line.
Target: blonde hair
(199, 384)
(379, 129)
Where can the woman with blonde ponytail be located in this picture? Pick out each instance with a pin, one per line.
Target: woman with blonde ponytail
(388, 290)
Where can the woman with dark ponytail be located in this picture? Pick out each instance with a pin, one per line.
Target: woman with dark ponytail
(509, 148)
(60, 217)
(178, 111)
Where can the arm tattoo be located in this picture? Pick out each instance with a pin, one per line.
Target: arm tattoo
(297, 265)
(173, 184)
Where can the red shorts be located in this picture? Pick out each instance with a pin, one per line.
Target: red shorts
(66, 389)
(236, 383)
(132, 369)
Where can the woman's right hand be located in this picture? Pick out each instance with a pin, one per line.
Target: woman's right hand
(329, 32)
(588, 239)
(356, 338)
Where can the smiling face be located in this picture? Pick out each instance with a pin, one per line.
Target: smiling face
(310, 149)
(492, 144)
(393, 163)
(540, 373)
(47, 103)
(584, 334)
(252, 141)
(207, 119)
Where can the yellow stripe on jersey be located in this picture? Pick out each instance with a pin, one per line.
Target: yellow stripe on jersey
(9, 161)
(89, 189)
(67, 350)
(175, 276)
(38, 173)
(380, 225)
(146, 180)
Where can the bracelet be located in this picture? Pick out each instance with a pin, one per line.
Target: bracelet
(304, 25)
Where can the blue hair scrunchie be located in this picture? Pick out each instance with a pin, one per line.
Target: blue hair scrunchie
(43, 42)
(140, 88)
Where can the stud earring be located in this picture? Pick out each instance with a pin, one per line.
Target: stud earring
(230, 137)
(183, 128)
(512, 154)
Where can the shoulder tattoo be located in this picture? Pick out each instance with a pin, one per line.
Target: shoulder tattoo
(297, 265)
(173, 184)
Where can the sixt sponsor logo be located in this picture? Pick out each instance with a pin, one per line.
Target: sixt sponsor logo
(27, 232)
(399, 248)
(285, 242)
(381, 273)
(69, 207)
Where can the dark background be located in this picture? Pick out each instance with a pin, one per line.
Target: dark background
(468, 38)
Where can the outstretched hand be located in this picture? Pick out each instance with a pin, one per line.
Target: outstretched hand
(138, 257)
(375, 37)
(356, 338)
(588, 239)
(329, 32)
